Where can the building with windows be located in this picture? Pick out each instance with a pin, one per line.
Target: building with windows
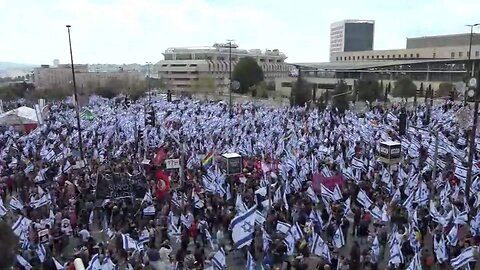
(60, 77)
(182, 67)
(351, 36)
(428, 61)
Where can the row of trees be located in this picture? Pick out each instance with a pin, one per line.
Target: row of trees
(365, 90)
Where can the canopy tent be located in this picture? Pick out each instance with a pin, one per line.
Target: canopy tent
(22, 117)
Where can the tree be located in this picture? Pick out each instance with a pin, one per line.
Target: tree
(340, 97)
(205, 84)
(248, 73)
(404, 88)
(301, 92)
(260, 90)
(369, 90)
(445, 89)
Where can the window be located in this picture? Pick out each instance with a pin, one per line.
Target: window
(358, 57)
(452, 55)
(393, 55)
(388, 56)
(363, 57)
(418, 55)
(405, 55)
(477, 53)
(193, 65)
(383, 56)
(434, 55)
(337, 58)
(286, 84)
(219, 58)
(460, 54)
(279, 60)
(378, 56)
(178, 65)
(368, 56)
(468, 54)
(411, 55)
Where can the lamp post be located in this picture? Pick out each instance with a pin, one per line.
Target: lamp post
(470, 53)
(230, 77)
(149, 82)
(77, 109)
(473, 92)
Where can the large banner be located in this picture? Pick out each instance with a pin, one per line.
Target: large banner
(328, 182)
(114, 185)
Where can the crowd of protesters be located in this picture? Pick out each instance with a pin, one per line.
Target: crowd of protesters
(311, 180)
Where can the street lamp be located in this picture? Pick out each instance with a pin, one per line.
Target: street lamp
(470, 52)
(80, 144)
(229, 45)
(473, 92)
(149, 81)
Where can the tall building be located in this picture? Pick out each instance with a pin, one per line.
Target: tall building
(182, 67)
(351, 36)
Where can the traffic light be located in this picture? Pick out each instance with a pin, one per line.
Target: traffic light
(150, 118)
(402, 125)
(169, 95)
(128, 102)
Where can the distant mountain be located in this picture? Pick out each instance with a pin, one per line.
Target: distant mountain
(17, 66)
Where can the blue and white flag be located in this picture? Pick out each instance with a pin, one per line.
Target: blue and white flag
(128, 243)
(43, 201)
(296, 231)
(219, 260)
(148, 198)
(250, 262)
(375, 250)
(260, 218)
(15, 204)
(396, 255)
(24, 262)
(467, 255)
(41, 252)
(416, 263)
(3, 209)
(94, 263)
(311, 194)
(197, 202)
(240, 206)
(144, 237)
(440, 250)
(317, 244)
(283, 227)
(363, 199)
(452, 237)
(242, 227)
(338, 239)
(21, 225)
(149, 211)
(58, 265)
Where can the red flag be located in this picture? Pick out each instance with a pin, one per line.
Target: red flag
(159, 156)
(163, 184)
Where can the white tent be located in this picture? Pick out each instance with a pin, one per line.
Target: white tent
(19, 116)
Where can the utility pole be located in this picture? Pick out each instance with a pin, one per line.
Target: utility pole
(471, 148)
(230, 77)
(77, 109)
(470, 55)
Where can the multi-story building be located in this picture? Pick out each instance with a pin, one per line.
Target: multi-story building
(182, 67)
(351, 36)
(428, 61)
(46, 77)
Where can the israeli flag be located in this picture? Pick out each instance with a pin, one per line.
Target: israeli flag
(296, 232)
(24, 262)
(148, 198)
(283, 227)
(416, 263)
(197, 202)
(440, 250)
(41, 252)
(338, 239)
(242, 227)
(396, 255)
(452, 237)
(250, 262)
(3, 209)
(144, 237)
(43, 201)
(15, 204)
(240, 206)
(260, 218)
(311, 194)
(149, 211)
(475, 225)
(57, 264)
(467, 255)
(265, 240)
(375, 250)
(94, 263)
(363, 199)
(317, 244)
(128, 243)
(219, 260)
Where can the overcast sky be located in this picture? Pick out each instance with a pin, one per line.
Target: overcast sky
(136, 31)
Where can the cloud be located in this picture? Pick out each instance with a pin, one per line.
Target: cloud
(124, 31)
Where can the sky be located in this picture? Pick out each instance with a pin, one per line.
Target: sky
(138, 31)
